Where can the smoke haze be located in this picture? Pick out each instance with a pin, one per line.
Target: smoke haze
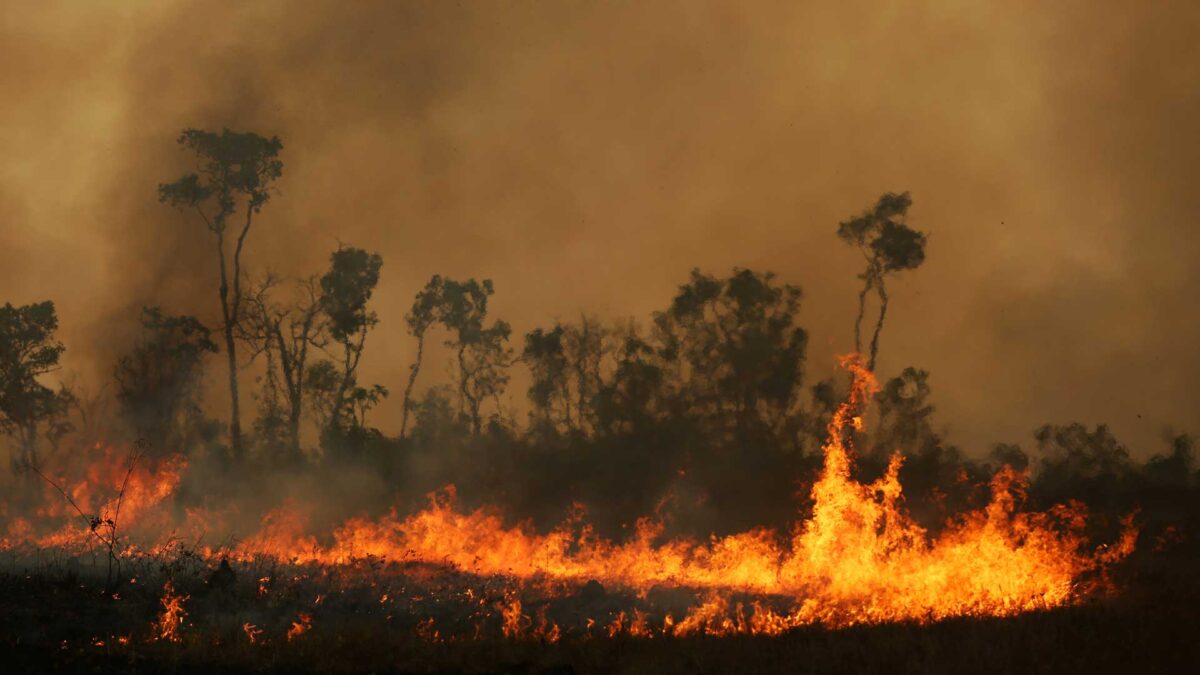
(586, 157)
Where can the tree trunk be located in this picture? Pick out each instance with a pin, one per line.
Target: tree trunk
(293, 379)
(235, 424)
(883, 305)
(465, 398)
(862, 307)
(28, 443)
(412, 381)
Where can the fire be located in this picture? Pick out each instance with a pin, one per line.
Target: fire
(170, 620)
(514, 621)
(253, 633)
(113, 493)
(859, 558)
(300, 626)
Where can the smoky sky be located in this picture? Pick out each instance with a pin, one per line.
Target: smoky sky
(586, 156)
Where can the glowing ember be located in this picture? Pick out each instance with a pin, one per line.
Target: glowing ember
(170, 620)
(300, 626)
(253, 633)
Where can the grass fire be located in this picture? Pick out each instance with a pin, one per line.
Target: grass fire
(581, 338)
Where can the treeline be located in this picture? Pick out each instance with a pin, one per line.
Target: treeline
(705, 409)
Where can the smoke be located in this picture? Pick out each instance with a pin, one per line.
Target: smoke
(585, 157)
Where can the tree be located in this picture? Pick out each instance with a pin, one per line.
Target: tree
(549, 391)
(482, 353)
(632, 401)
(905, 414)
(1090, 465)
(565, 362)
(739, 349)
(233, 167)
(29, 350)
(158, 380)
(1173, 470)
(889, 246)
(345, 292)
(284, 332)
(585, 347)
(426, 310)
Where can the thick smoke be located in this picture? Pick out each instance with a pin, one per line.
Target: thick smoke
(586, 157)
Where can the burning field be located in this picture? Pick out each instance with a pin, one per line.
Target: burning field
(142, 577)
(599, 337)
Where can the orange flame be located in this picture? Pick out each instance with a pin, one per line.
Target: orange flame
(170, 620)
(300, 626)
(859, 558)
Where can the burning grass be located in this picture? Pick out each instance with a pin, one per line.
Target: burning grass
(444, 576)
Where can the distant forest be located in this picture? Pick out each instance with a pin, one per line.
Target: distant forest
(703, 410)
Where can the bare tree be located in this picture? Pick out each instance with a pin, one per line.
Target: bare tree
(285, 333)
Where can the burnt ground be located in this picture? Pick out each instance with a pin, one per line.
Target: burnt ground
(55, 616)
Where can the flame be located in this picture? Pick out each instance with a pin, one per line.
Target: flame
(515, 623)
(111, 493)
(253, 633)
(859, 558)
(170, 620)
(300, 626)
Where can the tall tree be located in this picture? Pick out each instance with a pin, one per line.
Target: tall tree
(888, 246)
(158, 380)
(426, 310)
(29, 350)
(235, 172)
(345, 292)
(482, 353)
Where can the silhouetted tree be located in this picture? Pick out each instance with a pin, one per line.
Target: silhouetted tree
(740, 349)
(549, 391)
(1175, 468)
(426, 310)
(158, 380)
(233, 167)
(585, 346)
(436, 422)
(29, 350)
(345, 292)
(905, 413)
(1090, 465)
(633, 400)
(1009, 454)
(284, 332)
(482, 353)
(889, 246)
(565, 362)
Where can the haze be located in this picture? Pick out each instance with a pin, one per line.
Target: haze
(586, 157)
